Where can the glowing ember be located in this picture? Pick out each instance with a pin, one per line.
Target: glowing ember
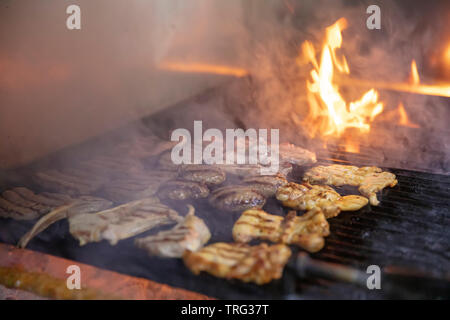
(203, 68)
(329, 113)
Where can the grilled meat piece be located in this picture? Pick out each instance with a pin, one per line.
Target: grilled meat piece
(307, 231)
(72, 182)
(240, 170)
(23, 204)
(121, 222)
(369, 179)
(265, 185)
(236, 198)
(183, 190)
(259, 264)
(137, 187)
(84, 204)
(189, 234)
(203, 173)
(306, 197)
(296, 155)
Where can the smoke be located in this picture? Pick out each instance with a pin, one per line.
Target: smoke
(59, 87)
(409, 30)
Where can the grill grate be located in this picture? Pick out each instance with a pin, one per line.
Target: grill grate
(409, 228)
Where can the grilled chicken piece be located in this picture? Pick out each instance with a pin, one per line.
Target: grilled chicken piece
(70, 181)
(203, 173)
(369, 179)
(183, 190)
(307, 231)
(296, 155)
(265, 185)
(306, 197)
(121, 222)
(137, 187)
(23, 204)
(259, 264)
(81, 205)
(236, 198)
(190, 234)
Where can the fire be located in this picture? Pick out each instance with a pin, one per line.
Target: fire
(404, 119)
(414, 76)
(203, 68)
(329, 113)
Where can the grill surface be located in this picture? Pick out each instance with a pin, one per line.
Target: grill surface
(409, 228)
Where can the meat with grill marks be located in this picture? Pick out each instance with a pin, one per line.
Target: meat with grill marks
(265, 185)
(306, 197)
(189, 234)
(236, 198)
(259, 264)
(69, 181)
(81, 205)
(137, 187)
(370, 180)
(183, 190)
(23, 204)
(306, 231)
(203, 173)
(121, 222)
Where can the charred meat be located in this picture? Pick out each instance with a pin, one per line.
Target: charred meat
(189, 234)
(306, 197)
(23, 204)
(370, 180)
(121, 222)
(183, 190)
(236, 198)
(259, 264)
(202, 173)
(306, 231)
(265, 185)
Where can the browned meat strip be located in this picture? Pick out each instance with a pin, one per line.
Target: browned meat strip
(296, 155)
(23, 204)
(236, 198)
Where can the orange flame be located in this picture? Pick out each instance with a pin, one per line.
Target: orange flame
(404, 119)
(203, 68)
(414, 76)
(329, 114)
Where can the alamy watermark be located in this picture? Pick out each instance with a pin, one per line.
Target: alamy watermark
(237, 144)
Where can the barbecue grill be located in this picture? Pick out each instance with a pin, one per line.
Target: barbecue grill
(406, 235)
